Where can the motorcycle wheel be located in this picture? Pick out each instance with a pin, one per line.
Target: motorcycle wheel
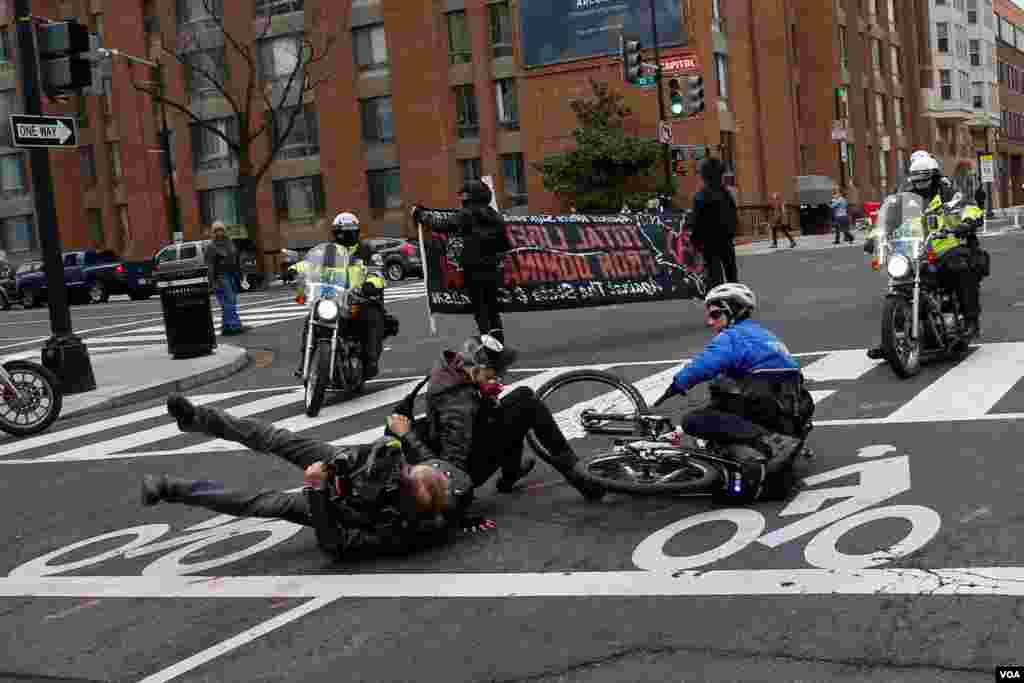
(902, 354)
(664, 475)
(41, 399)
(319, 377)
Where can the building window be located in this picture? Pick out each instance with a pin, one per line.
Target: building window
(280, 58)
(460, 48)
(467, 116)
(978, 95)
(975, 52)
(299, 199)
(470, 169)
(844, 53)
(722, 76)
(190, 11)
(972, 11)
(501, 29)
(965, 86)
(371, 47)
(124, 226)
(793, 41)
(895, 63)
(842, 104)
(880, 118)
(82, 111)
(269, 8)
(378, 120)
(88, 165)
(12, 175)
(220, 205)
(514, 172)
(385, 189)
(19, 234)
(883, 169)
(897, 112)
(989, 14)
(942, 34)
(876, 54)
(210, 151)
(114, 148)
(6, 53)
(508, 103)
(95, 219)
(206, 72)
(893, 15)
(945, 84)
(108, 87)
(304, 138)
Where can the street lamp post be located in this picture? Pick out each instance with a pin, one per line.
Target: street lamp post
(173, 210)
(666, 150)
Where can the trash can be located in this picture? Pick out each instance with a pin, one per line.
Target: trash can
(188, 318)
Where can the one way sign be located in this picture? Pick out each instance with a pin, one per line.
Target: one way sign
(44, 131)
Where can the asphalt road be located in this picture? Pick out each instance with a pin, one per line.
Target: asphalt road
(558, 591)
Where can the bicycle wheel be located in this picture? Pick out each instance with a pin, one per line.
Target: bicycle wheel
(579, 398)
(664, 473)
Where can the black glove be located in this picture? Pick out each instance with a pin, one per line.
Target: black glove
(669, 393)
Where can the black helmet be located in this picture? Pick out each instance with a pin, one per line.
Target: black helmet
(477, 191)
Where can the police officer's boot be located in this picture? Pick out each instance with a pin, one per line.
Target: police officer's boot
(193, 418)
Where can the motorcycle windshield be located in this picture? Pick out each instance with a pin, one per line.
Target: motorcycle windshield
(325, 271)
(900, 226)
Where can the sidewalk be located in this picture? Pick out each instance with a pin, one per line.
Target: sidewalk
(144, 374)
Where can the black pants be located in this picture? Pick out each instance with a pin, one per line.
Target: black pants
(956, 273)
(482, 288)
(720, 263)
(502, 448)
(372, 324)
(842, 225)
(781, 227)
(261, 437)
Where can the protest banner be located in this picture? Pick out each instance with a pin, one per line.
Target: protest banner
(572, 261)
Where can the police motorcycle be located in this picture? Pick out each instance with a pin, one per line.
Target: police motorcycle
(921, 320)
(333, 345)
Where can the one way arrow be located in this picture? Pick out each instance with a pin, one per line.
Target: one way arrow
(63, 132)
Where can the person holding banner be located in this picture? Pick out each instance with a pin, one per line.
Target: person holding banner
(485, 243)
(713, 224)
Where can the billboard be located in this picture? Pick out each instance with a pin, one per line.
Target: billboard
(553, 31)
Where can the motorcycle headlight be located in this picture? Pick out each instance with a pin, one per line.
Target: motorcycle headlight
(377, 260)
(327, 310)
(898, 266)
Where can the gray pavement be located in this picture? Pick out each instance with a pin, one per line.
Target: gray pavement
(562, 590)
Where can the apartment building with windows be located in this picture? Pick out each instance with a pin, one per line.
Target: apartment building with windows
(963, 99)
(1009, 182)
(425, 95)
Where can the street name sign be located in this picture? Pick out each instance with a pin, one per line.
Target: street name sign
(44, 131)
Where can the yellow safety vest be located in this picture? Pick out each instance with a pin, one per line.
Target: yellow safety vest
(357, 273)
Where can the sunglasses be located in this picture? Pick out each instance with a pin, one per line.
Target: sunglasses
(716, 313)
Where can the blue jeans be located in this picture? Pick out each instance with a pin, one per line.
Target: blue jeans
(226, 292)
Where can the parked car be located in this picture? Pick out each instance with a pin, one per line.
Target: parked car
(191, 255)
(89, 276)
(398, 258)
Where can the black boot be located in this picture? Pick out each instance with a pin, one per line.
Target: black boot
(508, 484)
(876, 353)
(567, 464)
(154, 489)
(182, 410)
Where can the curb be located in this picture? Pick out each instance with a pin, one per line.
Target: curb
(152, 391)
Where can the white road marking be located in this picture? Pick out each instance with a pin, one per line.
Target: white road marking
(969, 389)
(960, 581)
(840, 365)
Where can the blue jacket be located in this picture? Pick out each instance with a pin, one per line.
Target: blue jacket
(737, 351)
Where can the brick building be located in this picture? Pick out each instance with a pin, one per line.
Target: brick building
(426, 94)
(1009, 186)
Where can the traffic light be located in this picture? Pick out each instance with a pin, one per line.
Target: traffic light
(696, 95)
(675, 98)
(631, 59)
(61, 64)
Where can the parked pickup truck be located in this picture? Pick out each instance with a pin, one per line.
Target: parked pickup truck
(89, 276)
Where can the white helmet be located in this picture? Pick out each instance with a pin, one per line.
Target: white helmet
(918, 155)
(923, 170)
(739, 300)
(345, 219)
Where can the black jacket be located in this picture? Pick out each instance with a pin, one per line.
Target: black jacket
(714, 218)
(482, 230)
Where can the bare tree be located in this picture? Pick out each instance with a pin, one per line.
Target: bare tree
(263, 105)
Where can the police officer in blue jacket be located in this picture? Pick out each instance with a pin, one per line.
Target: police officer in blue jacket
(758, 401)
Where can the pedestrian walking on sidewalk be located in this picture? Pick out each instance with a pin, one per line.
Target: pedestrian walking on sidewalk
(225, 278)
(713, 224)
(779, 222)
(841, 216)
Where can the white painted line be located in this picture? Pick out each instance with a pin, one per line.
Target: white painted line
(821, 395)
(840, 365)
(111, 449)
(969, 389)
(984, 581)
(241, 639)
(919, 419)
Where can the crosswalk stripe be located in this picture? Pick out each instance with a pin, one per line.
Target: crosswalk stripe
(839, 365)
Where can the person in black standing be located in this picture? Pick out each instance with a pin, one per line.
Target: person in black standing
(484, 245)
(713, 225)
